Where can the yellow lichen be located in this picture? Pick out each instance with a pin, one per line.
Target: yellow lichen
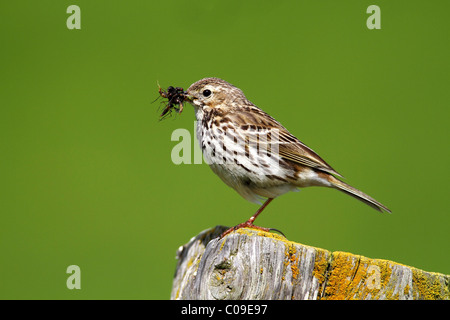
(292, 259)
(320, 267)
(427, 285)
(343, 275)
(222, 244)
(255, 232)
(190, 262)
(406, 290)
(356, 277)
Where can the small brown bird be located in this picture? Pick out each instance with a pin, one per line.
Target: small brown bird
(253, 153)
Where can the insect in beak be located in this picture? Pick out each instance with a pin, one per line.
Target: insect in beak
(175, 96)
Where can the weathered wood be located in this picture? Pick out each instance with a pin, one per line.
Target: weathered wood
(250, 264)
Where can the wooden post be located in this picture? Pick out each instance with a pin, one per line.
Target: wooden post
(251, 264)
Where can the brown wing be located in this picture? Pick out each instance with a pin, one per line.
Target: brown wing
(289, 147)
(294, 150)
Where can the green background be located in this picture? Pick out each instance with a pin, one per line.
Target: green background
(86, 170)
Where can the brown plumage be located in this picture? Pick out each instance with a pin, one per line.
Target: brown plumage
(232, 131)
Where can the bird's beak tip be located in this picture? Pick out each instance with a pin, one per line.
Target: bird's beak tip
(188, 97)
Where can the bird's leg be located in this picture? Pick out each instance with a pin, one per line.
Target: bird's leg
(249, 222)
(253, 217)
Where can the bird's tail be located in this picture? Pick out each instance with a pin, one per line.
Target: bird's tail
(355, 193)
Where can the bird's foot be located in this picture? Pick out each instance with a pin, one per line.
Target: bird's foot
(249, 224)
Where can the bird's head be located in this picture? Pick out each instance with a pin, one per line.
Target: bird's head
(213, 93)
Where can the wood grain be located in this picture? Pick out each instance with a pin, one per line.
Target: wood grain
(251, 264)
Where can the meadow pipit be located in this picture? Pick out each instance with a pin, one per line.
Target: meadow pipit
(253, 153)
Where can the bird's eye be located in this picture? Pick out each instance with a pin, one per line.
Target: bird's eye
(207, 93)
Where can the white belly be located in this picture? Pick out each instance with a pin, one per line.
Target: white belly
(252, 176)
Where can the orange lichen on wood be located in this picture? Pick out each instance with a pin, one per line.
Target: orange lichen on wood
(429, 285)
(292, 260)
(252, 264)
(357, 277)
(320, 271)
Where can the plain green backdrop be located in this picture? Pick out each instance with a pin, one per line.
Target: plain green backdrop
(86, 171)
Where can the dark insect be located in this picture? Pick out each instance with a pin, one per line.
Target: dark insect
(176, 97)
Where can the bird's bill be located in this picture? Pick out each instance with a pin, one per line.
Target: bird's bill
(188, 97)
